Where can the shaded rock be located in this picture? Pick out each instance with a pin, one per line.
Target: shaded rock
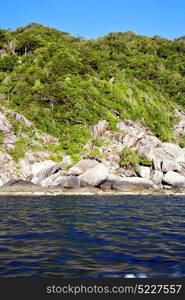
(95, 176)
(133, 183)
(21, 118)
(72, 182)
(108, 184)
(82, 166)
(144, 172)
(174, 179)
(99, 129)
(157, 177)
(18, 181)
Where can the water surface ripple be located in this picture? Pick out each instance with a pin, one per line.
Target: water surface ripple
(92, 236)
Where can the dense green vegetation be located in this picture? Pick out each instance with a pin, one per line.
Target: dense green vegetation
(62, 83)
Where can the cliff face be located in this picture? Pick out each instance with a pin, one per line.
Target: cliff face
(124, 159)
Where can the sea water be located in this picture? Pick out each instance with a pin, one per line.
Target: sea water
(92, 236)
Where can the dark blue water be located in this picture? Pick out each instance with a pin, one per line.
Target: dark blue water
(92, 236)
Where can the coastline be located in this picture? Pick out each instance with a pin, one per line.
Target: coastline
(92, 193)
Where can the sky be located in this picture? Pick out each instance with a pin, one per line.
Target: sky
(94, 18)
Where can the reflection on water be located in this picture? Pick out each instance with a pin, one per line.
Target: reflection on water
(92, 236)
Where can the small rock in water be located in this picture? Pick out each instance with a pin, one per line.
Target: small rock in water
(130, 276)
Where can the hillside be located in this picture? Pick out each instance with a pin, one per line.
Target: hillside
(63, 85)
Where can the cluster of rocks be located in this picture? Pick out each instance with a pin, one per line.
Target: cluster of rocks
(6, 130)
(167, 168)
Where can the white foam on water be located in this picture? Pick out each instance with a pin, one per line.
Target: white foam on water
(140, 275)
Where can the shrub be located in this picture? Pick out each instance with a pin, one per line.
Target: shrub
(129, 158)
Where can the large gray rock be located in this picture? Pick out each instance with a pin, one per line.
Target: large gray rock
(167, 155)
(129, 141)
(157, 177)
(25, 169)
(9, 141)
(160, 155)
(174, 179)
(39, 166)
(146, 151)
(170, 165)
(132, 128)
(113, 158)
(53, 180)
(5, 128)
(8, 169)
(174, 151)
(108, 184)
(99, 129)
(82, 166)
(144, 172)
(131, 183)
(5, 125)
(72, 182)
(149, 139)
(95, 176)
(47, 168)
(19, 117)
(18, 181)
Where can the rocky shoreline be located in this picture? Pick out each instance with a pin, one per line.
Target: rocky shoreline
(160, 170)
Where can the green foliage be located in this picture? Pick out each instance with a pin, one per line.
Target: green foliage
(61, 83)
(1, 139)
(57, 157)
(19, 149)
(98, 142)
(129, 158)
(95, 154)
(7, 63)
(182, 141)
(145, 162)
